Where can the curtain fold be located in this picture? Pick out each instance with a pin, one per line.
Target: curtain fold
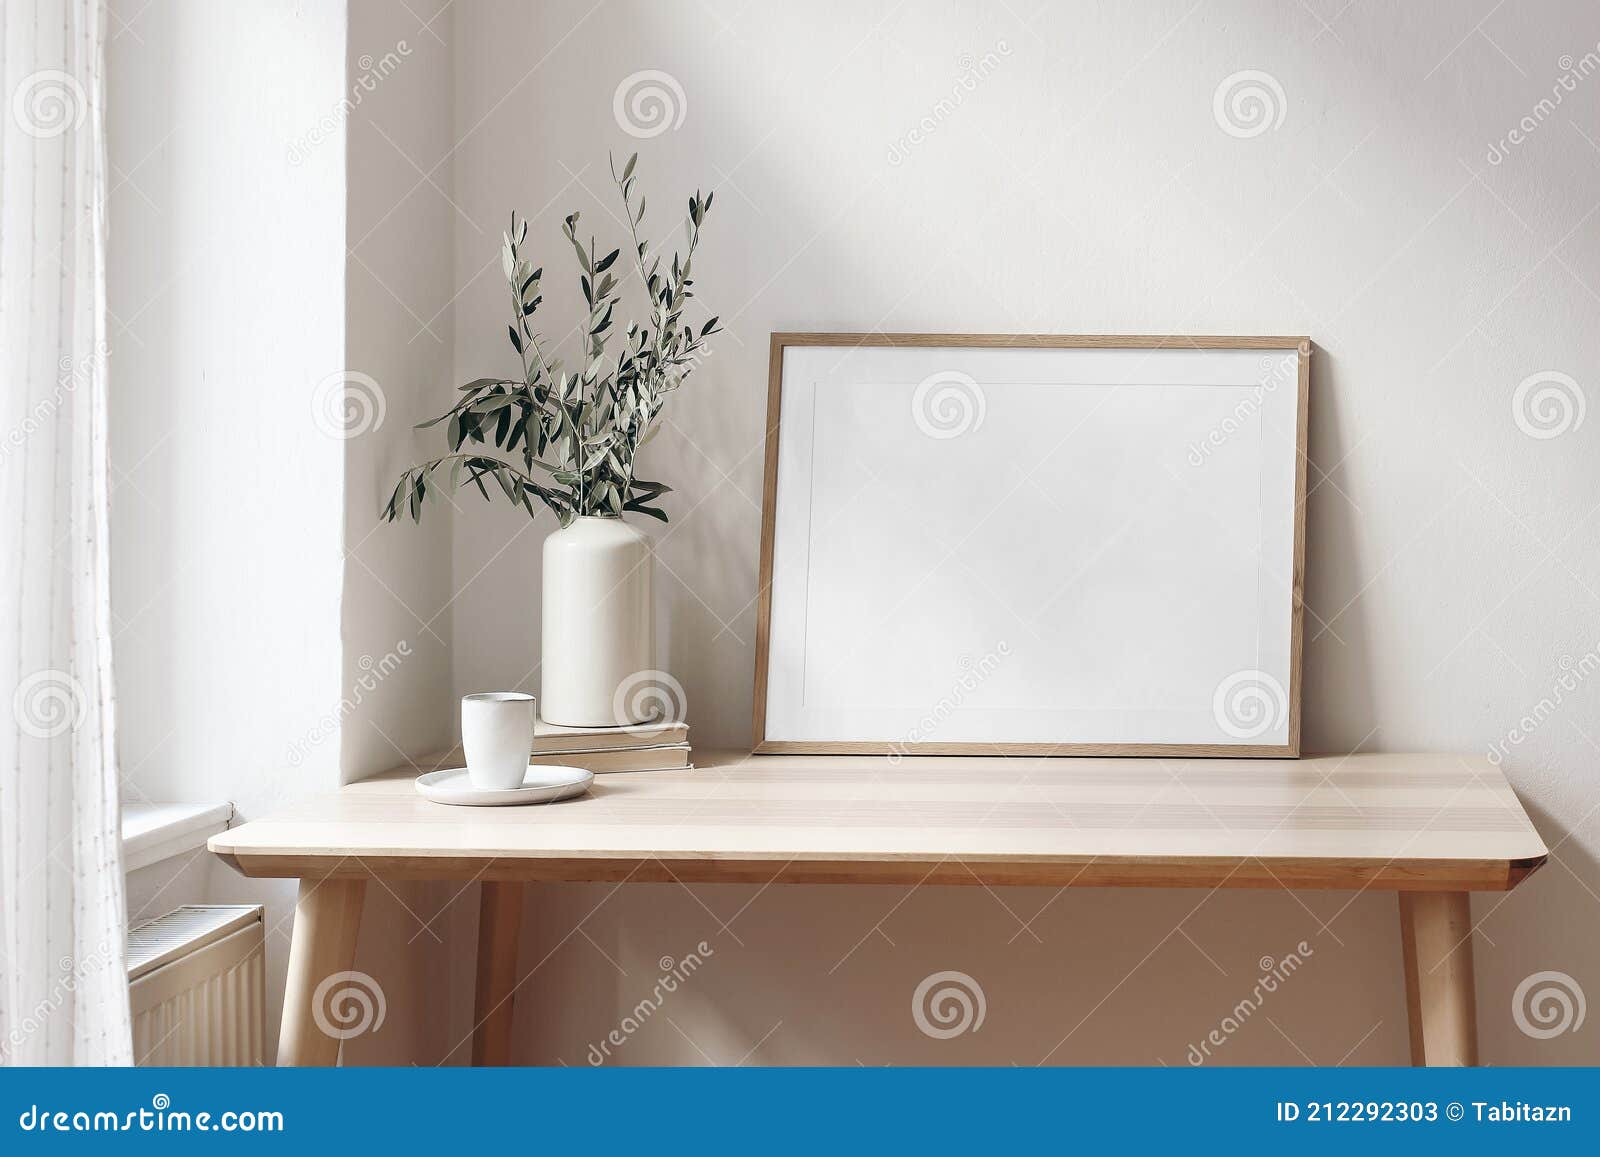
(63, 918)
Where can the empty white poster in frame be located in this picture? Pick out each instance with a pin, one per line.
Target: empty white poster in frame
(1032, 544)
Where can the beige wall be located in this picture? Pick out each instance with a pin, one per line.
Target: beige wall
(1079, 181)
(1082, 184)
(397, 585)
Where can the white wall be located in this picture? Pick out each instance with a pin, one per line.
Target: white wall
(226, 294)
(397, 583)
(279, 315)
(399, 338)
(1083, 184)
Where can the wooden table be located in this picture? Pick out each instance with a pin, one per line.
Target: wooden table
(1431, 828)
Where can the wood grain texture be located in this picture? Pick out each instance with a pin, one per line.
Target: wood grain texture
(1441, 1006)
(1175, 750)
(1396, 822)
(1297, 580)
(780, 341)
(499, 930)
(769, 533)
(1045, 341)
(327, 917)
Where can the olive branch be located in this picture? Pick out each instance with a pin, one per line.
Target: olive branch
(569, 438)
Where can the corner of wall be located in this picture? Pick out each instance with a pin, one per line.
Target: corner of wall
(399, 352)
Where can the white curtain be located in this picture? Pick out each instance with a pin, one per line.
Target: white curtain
(63, 981)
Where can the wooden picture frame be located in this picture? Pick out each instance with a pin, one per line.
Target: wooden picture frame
(1285, 738)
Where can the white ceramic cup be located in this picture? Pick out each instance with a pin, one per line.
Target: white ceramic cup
(497, 737)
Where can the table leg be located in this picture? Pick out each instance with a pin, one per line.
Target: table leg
(1436, 938)
(327, 916)
(499, 928)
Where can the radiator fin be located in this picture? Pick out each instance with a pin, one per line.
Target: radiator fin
(197, 980)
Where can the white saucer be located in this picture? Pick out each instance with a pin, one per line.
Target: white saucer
(543, 783)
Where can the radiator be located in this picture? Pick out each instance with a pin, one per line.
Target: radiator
(197, 982)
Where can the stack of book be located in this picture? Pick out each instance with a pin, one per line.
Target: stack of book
(642, 747)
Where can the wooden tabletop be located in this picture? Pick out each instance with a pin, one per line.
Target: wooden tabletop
(1399, 822)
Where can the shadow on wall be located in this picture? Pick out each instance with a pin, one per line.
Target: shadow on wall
(1533, 958)
(1337, 702)
(808, 975)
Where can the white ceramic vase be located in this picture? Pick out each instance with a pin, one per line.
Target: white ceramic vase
(598, 627)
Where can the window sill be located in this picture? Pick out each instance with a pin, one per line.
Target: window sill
(152, 832)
